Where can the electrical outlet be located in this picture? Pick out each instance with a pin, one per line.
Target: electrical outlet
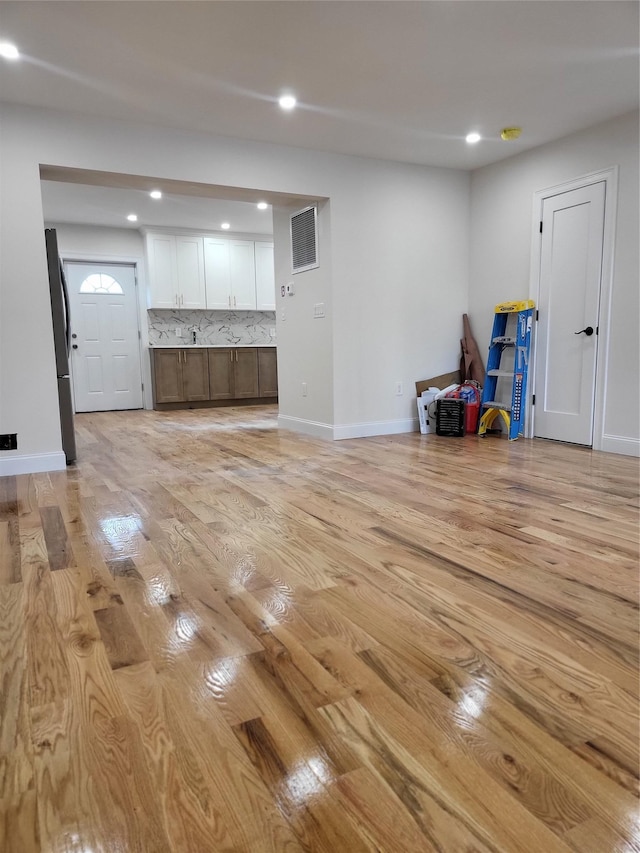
(272, 332)
(178, 332)
(9, 441)
(318, 311)
(304, 389)
(283, 314)
(399, 391)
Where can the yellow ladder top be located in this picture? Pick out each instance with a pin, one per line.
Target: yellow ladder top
(511, 307)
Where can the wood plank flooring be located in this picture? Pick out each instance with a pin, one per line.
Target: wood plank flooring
(219, 636)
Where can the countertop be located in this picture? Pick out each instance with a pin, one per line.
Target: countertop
(209, 346)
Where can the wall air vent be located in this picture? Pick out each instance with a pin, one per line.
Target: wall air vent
(304, 240)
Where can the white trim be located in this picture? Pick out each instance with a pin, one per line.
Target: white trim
(343, 431)
(610, 178)
(372, 428)
(33, 463)
(620, 444)
(312, 428)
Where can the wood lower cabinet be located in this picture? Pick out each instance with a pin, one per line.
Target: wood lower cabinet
(268, 371)
(214, 374)
(195, 374)
(233, 373)
(245, 374)
(180, 375)
(220, 374)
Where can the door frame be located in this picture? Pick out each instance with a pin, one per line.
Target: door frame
(143, 331)
(610, 178)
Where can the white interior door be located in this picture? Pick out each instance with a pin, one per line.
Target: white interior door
(568, 302)
(105, 353)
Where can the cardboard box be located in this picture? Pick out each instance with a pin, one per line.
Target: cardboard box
(442, 381)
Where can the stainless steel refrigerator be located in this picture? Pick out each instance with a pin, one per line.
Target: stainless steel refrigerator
(61, 339)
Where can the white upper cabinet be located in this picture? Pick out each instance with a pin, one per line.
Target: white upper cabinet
(230, 274)
(161, 262)
(217, 273)
(190, 266)
(265, 280)
(176, 271)
(243, 275)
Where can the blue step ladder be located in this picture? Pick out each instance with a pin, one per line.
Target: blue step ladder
(504, 337)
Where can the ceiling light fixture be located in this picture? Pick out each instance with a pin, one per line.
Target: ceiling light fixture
(510, 133)
(155, 194)
(132, 217)
(287, 102)
(225, 226)
(472, 138)
(262, 205)
(8, 50)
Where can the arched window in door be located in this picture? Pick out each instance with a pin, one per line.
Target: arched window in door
(101, 283)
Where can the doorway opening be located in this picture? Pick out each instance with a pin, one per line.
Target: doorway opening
(87, 208)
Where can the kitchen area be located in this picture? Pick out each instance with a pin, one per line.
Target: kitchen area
(204, 304)
(211, 320)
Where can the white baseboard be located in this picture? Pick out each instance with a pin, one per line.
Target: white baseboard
(342, 431)
(312, 428)
(32, 464)
(371, 428)
(621, 444)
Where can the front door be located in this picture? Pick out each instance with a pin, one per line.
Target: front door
(105, 352)
(568, 302)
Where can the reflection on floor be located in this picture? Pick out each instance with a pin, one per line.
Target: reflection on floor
(219, 636)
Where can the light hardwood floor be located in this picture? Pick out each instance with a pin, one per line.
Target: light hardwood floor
(217, 636)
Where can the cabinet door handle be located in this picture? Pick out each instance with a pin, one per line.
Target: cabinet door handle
(230, 355)
(236, 355)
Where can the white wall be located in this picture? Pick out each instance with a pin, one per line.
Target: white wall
(89, 242)
(400, 289)
(305, 344)
(397, 263)
(501, 235)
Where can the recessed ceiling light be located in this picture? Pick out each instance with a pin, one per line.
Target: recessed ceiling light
(8, 50)
(287, 102)
(262, 205)
(132, 217)
(155, 194)
(472, 138)
(225, 226)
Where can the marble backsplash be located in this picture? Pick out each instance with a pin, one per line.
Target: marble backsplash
(213, 328)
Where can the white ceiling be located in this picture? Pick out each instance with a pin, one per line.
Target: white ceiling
(397, 80)
(109, 207)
